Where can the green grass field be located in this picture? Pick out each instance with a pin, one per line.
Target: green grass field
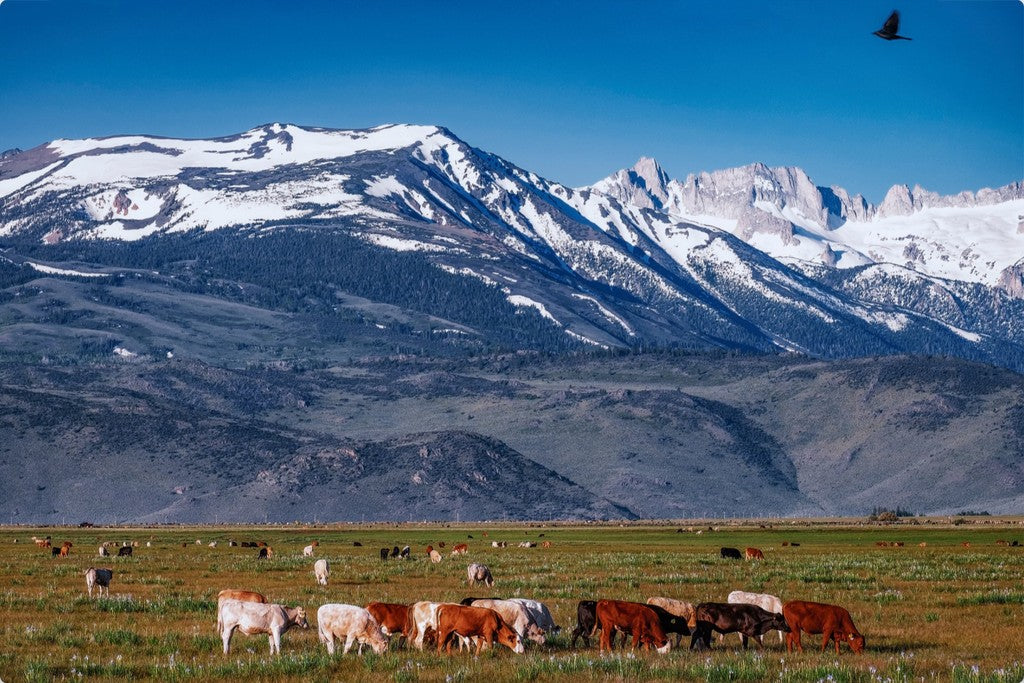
(944, 611)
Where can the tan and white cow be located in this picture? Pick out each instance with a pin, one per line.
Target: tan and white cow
(353, 623)
(235, 594)
(517, 616)
(253, 617)
(321, 570)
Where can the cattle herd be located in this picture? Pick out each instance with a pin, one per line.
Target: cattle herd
(478, 623)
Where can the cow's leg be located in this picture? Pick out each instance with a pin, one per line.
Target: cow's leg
(744, 639)
(329, 642)
(758, 640)
(606, 641)
(349, 639)
(225, 635)
(826, 636)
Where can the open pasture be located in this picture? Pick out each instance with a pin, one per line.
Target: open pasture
(943, 611)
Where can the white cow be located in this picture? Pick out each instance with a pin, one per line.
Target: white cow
(98, 577)
(308, 551)
(539, 613)
(253, 617)
(351, 623)
(479, 573)
(435, 556)
(763, 600)
(104, 552)
(517, 616)
(321, 569)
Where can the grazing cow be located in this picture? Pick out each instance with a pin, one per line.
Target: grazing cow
(922, 544)
(499, 544)
(460, 549)
(762, 600)
(479, 573)
(357, 544)
(308, 551)
(321, 570)
(239, 595)
(515, 615)
(42, 542)
(393, 618)
(545, 544)
(966, 544)
(55, 552)
(832, 621)
(435, 556)
(406, 553)
(670, 623)
(630, 617)
(750, 620)
(795, 545)
(586, 618)
(212, 544)
(528, 544)
(352, 623)
(677, 608)
(252, 617)
(98, 577)
(384, 553)
(731, 554)
(103, 551)
(124, 551)
(540, 614)
(753, 554)
(441, 544)
(475, 622)
(395, 552)
(266, 552)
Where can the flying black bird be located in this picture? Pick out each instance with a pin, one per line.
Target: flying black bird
(891, 28)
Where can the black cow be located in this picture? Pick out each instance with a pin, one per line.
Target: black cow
(395, 551)
(357, 544)
(54, 552)
(264, 553)
(749, 621)
(384, 552)
(670, 623)
(586, 618)
(731, 554)
(124, 551)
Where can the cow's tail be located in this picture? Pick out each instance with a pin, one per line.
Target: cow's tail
(410, 626)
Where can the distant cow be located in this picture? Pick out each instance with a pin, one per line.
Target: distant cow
(251, 618)
(586, 617)
(56, 552)
(832, 621)
(65, 548)
(98, 577)
(393, 618)
(528, 544)
(435, 556)
(406, 553)
(103, 551)
(266, 552)
(479, 573)
(460, 549)
(634, 618)
(124, 551)
(321, 570)
(763, 600)
(384, 553)
(308, 550)
(352, 623)
(395, 552)
(731, 554)
(750, 621)
(42, 542)
(474, 622)
(753, 554)
(239, 595)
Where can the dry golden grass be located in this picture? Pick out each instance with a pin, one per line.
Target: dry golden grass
(941, 611)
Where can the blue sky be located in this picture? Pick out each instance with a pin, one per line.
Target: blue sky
(570, 90)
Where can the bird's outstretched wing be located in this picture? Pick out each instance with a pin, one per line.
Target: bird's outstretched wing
(892, 24)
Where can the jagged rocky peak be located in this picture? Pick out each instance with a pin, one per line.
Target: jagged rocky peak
(1011, 280)
(644, 185)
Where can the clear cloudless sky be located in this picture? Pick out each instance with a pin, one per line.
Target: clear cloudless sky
(570, 90)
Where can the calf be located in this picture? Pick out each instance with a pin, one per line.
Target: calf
(762, 600)
(393, 618)
(321, 570)
(749, 620)
(639, 620)
(586, 618)
(98, 577)
(832, 621)
(474, 622)
(730, 554)
(251, 618)
(479, 573)
(351, 623)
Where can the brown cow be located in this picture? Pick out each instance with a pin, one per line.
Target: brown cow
(65, 548)
(42, 542)
(474, 622)
(630, 617)
(460, 549)
(753, 554)
(832, 621)
(391, 617)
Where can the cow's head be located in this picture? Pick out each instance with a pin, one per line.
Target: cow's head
(300, 618)
(510, 639)
(378, 641)
(778, 623)
(536, 634)
(856, 642)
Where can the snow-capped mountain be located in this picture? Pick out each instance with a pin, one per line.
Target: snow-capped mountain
(636, 258)
(971, 237)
